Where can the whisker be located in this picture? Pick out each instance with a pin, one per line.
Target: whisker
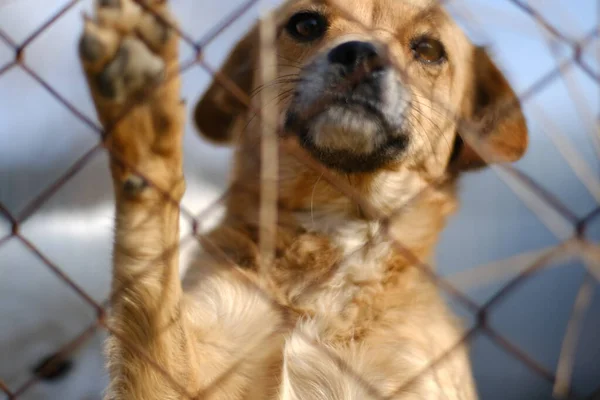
(279, 98)
(294, 62)
(278, 81)
(446, 120)
(276, 66)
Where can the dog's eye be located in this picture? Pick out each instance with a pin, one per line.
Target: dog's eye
(307, 26)
(428, 50)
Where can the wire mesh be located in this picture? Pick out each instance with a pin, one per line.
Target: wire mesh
(572, 235)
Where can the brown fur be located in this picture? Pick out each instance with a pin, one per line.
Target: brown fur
(344, 312)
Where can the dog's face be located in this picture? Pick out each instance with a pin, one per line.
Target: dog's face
(376, 86)
(366, 85)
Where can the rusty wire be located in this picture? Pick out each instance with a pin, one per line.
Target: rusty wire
(572, 245)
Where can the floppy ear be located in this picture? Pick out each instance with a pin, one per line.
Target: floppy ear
(494, 127)
(219, 115)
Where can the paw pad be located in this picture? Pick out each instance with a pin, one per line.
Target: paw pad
(122, 48)
(133, 69)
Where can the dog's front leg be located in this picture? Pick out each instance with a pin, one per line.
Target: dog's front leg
(129, 54)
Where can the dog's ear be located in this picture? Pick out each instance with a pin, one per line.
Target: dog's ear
(493, 127)
(219, 115)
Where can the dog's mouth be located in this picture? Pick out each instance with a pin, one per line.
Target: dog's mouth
(358, 129)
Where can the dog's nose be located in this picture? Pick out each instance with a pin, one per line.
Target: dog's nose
(354, 53)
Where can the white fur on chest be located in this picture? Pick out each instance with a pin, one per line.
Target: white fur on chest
(364, 250)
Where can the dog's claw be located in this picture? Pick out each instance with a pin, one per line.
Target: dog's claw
(90, 48)
(106, 85)
(134, 184)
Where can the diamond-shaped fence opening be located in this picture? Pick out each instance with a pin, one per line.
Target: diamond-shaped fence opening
(26, 130)
(589, 59)
(530, 316)
(6, 54)
(38, 306)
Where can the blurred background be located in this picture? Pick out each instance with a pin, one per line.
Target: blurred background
(40, 139)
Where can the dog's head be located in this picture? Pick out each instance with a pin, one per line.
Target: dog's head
(372, 85)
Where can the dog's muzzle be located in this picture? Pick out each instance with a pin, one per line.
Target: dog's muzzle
(348, 108)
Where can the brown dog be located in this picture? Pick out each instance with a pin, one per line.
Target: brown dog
(370, 89)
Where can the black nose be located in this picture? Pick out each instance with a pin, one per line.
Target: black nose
(354, 53)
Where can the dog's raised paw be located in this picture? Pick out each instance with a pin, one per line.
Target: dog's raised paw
(124, 48)
(129, 54)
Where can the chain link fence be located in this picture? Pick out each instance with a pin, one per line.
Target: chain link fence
(570, 226)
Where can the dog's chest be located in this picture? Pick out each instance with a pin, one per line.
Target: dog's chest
(344, 263)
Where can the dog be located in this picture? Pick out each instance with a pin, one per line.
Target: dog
(387, 97)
